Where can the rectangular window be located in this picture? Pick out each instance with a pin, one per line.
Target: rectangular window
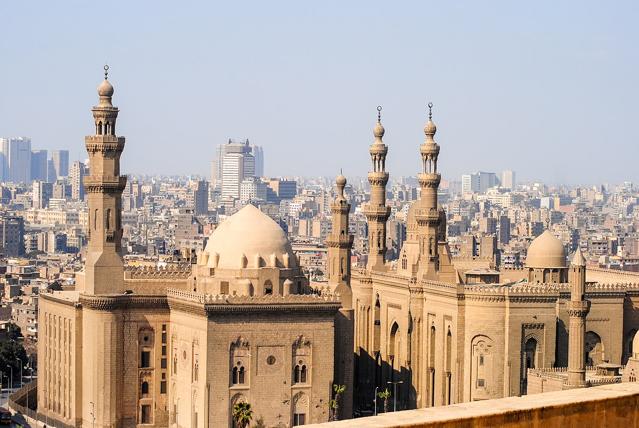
(163, 350)
(164, 337)
(163, 363)
(481, 360)
(145, 416)
(163, 387)
(481, 383)
(145, 359)
(299, 419)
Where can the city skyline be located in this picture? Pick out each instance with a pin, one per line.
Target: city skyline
(540, 83)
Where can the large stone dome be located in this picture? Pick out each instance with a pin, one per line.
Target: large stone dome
(546, 251)
(249, 239)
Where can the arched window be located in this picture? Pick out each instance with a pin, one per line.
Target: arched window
(376, 327)
(296, 374)
(303, 374)
(175, 363)
(95, 220)
(268, 287)
(234, 376)
(99, 128)
(241, 375)
(145, 388)
(594, 349)
(404, 262)
(531, 355)
(196, 368)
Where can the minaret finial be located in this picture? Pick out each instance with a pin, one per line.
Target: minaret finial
(106, 71)
(379, 113)
(430, 110)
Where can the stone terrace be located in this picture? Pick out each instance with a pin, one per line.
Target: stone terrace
(608, 406)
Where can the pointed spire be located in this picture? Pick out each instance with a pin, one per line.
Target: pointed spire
(578, 258)
(378, 130)
(106, 71)
(430, 129)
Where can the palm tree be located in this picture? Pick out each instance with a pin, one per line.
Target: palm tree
(334, 403)
(384, 396)
(242, 414)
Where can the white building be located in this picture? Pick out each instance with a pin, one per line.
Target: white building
(236, 167)
(508, 179)
(252, 189)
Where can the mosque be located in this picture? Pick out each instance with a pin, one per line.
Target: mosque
(441, 333)
(180, 347)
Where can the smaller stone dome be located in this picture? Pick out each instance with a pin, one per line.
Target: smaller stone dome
(430, 128)
(546, 251)
(105, 89)
(379, 130)
(340, 180)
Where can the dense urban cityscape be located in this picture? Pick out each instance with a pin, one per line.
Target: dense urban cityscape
(246, 239)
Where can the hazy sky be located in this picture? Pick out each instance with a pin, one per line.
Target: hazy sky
(547, 88)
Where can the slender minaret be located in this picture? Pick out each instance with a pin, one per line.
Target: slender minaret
(426, 214)
(104, 267)
(376, 211)
(578, 308)
(339, 244)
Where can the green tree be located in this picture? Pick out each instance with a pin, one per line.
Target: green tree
(384, 395)
(242, 414)
(12, 353)
(335, 402)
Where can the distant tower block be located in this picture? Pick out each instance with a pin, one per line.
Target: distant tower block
(376, 211)
(103, 187)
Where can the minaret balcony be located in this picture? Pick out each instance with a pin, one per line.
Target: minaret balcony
(378, 178)
(429, 179)
(429, 149)
(579, 308)
(380, 213)
(99, 184)
(427, 215)
(341, 241)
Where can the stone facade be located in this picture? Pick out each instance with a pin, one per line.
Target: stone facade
(417, 320)
(180, 347)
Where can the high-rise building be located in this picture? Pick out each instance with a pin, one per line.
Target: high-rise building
(508, 179)
(42, 192)
(236, 167)
(504, 229)
(258, 154)
(76, 176)
(201, 197)
(279, 189)
(252, 189)
(12, 235)
(16, 162)
(236, 146)
(60, 160)
(51, 175)
(479, 182)
(39, 161)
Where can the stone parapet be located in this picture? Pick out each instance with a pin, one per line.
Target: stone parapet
(611, 406)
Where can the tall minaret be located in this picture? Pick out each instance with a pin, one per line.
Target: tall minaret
(104, 267)
(426, 214)
(376, 211)
(578, 308)
(339, 244)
